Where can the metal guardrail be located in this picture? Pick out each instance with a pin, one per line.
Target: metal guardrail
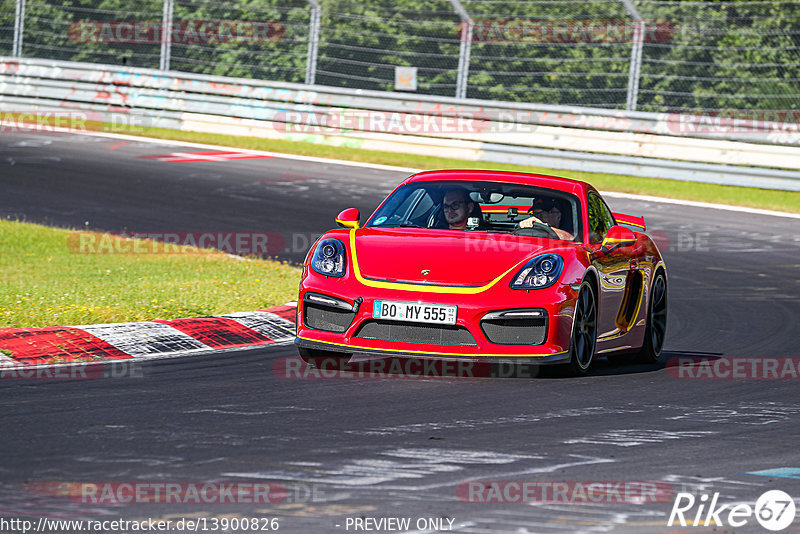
(584, 139)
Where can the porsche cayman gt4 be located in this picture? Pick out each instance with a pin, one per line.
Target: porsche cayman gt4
(485, 266)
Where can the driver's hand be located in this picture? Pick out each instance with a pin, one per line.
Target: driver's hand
(528, 223)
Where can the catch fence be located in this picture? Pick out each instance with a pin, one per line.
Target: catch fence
(645, 55)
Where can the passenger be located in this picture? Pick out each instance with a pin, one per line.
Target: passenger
(546, 211)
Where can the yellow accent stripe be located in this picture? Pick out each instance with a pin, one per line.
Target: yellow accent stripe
(625, 220)
(419, 287)
(638, 304)
(522, 209)
(348, 224)
(440, 353)
(611, 240)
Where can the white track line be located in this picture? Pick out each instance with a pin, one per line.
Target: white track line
(246, 150)
(663, 200)
(695, 204)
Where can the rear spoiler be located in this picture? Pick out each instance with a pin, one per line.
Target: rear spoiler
(631, 220)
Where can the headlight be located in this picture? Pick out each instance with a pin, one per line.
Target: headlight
(540, 272)
(329, 258)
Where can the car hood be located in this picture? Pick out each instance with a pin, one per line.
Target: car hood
(450, 257)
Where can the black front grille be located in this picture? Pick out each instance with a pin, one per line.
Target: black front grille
(518, 331)
(416, 333)
(325, 318)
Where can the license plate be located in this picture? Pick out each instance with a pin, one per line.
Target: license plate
(414, 311)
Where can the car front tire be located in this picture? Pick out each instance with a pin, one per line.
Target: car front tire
(584, 330)
(656, 321)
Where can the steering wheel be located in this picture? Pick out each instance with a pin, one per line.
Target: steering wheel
(536, 230)
(434, 220)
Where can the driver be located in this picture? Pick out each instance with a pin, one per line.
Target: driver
(457, 206)
(546, 211)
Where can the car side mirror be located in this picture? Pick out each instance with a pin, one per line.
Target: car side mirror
(617, 237)
(349, 218)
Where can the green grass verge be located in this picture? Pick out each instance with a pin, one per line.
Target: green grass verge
(45, 281)
(742, 196)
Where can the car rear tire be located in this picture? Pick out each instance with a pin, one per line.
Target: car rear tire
(584, 331)
(656, 327)
(323, 358)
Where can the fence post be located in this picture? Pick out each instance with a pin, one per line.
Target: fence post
(635, 69)
(313, 42)
(464, 49)
(19, 28)
(166, 34)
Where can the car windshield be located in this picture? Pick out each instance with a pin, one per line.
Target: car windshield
(481, 207)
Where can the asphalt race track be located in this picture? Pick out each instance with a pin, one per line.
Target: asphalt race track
(399, 447)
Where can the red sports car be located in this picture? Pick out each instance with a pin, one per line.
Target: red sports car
(485, 266)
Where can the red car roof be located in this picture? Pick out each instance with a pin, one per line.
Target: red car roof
(567, 185)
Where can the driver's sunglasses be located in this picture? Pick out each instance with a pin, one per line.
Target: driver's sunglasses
(457, 205)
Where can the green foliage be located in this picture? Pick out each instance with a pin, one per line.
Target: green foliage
(723, 55)
(53, 31)
(552, 61)
(7, 9)
(280, 56)
(716, 55)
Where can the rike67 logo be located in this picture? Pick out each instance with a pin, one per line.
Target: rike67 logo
(774, 510)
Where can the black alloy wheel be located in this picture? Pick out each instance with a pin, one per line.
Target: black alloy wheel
(656, 321)
(584, 330)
